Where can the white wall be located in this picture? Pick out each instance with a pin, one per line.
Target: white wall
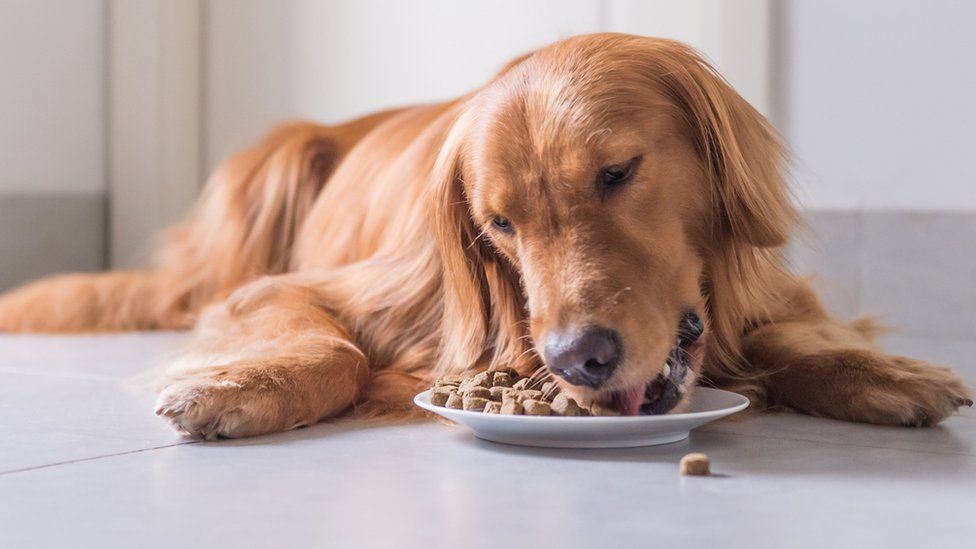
(52, 96)
(877, 101)
(52, 137)
(331, 60)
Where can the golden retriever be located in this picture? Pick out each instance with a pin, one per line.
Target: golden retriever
(607, 208)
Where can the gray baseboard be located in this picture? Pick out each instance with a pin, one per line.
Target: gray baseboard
(42, 234)
(915, 271)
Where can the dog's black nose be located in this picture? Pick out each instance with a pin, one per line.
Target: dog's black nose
(583, 357)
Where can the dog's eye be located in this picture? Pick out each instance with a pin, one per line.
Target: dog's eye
(502, 224)
(612, 177)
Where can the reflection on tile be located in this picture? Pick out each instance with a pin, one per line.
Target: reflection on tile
(48, 419)
(920, 272)
(432, 485)
(830, 252)
(956, 435)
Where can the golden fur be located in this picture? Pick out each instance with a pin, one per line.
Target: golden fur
(343, 267)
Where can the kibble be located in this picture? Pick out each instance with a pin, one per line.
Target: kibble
(498, 393)
(521, 384)
(502, 379)
(603, 410)
(455, 401)
(439, 396)
(695, 464)
(562, 405)
(475, 391)
(454, 380)
(535, 407)
(512, 407)
(505, 391)
(474, 404)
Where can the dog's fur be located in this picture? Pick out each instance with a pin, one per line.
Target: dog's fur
(335, 268)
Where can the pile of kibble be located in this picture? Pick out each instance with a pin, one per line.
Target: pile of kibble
(506, 392)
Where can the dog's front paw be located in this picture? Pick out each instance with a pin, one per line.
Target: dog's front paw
(916, 394)
(215, 406)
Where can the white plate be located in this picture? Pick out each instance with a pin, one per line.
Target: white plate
(594, 431)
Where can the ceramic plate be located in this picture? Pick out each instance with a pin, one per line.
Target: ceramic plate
(594, 432)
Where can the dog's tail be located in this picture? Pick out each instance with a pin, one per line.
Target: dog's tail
(243, 227)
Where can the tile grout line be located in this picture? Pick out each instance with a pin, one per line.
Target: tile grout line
(841, 444)
(93, 458)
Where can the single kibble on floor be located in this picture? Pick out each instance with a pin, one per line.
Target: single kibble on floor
(511, 407)
(695, 464)
(502, 379)
(474, 404)
(476, 391)
(603, 410)
(562, 405)
(439, 396)
(492, 407)
(536, 407)
(455, 401)
(498, 393)
(521, 384)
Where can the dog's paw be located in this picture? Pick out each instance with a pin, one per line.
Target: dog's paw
(209, 407)
(915, 394)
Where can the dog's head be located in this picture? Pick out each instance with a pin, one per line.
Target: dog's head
(585, 200)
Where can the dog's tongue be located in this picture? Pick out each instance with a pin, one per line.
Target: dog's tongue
(628, 402)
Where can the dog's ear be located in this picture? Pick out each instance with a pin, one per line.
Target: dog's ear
(482, 302)
(745, 158)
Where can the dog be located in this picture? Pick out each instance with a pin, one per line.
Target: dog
(606, 210)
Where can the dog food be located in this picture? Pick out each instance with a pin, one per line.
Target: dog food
(695, 464)
(474, 404)
(508, 393)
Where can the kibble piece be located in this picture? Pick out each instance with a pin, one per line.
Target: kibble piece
(502, 379)
(562, 405)
(476, 391)
(483, 379)
(512, 372)
(521, 384)
(603, 410)
(550, 389)
(695, 464)
(455, 401)
(439, 395)
(474, 404)
(531, 394)
(512, 407)
(498, 393)
(492, 407)
(535, 407)
(454, 380)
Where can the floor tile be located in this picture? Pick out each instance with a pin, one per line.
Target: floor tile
(115, 356)
(48, 419)
(436, 486)
(956, 435)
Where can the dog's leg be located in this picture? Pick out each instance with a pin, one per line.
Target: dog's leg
(828, 369)
(270, 358)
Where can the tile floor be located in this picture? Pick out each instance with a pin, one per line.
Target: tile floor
(84, 463)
